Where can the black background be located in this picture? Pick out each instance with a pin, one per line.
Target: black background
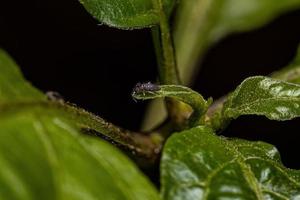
(60, 47)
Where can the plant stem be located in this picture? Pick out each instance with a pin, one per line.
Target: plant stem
(168, 72)
(142, 146)
(132, 140)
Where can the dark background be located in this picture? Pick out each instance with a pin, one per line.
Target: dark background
(60, 47)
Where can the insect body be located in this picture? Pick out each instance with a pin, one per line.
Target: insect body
(145, 91)
(145, 87)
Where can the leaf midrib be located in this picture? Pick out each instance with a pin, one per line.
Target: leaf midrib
(242, 108)
(251, 179)
(254, 182)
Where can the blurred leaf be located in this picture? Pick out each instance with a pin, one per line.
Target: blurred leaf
(198, 165)
(44, 156)
(13, 86)
(275, 99)
(16, 93)
(126, 14)
(200, 23)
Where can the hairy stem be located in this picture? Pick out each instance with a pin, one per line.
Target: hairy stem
(138, 144)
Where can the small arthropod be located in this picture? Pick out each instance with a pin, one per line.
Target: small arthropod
(145, 87)
(54, 96)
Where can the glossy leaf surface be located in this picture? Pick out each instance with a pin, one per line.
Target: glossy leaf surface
(44, 156)
(290, 73)
(200, 23)
(198, 165)
(126, 14)
(275, 99)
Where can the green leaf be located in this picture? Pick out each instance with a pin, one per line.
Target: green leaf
(16, 93)
(126, 14)
(275, 99)
(198, 165)
(13, 86)
(42, 156)
(200, 23)
(290, 74)
(179, 92)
